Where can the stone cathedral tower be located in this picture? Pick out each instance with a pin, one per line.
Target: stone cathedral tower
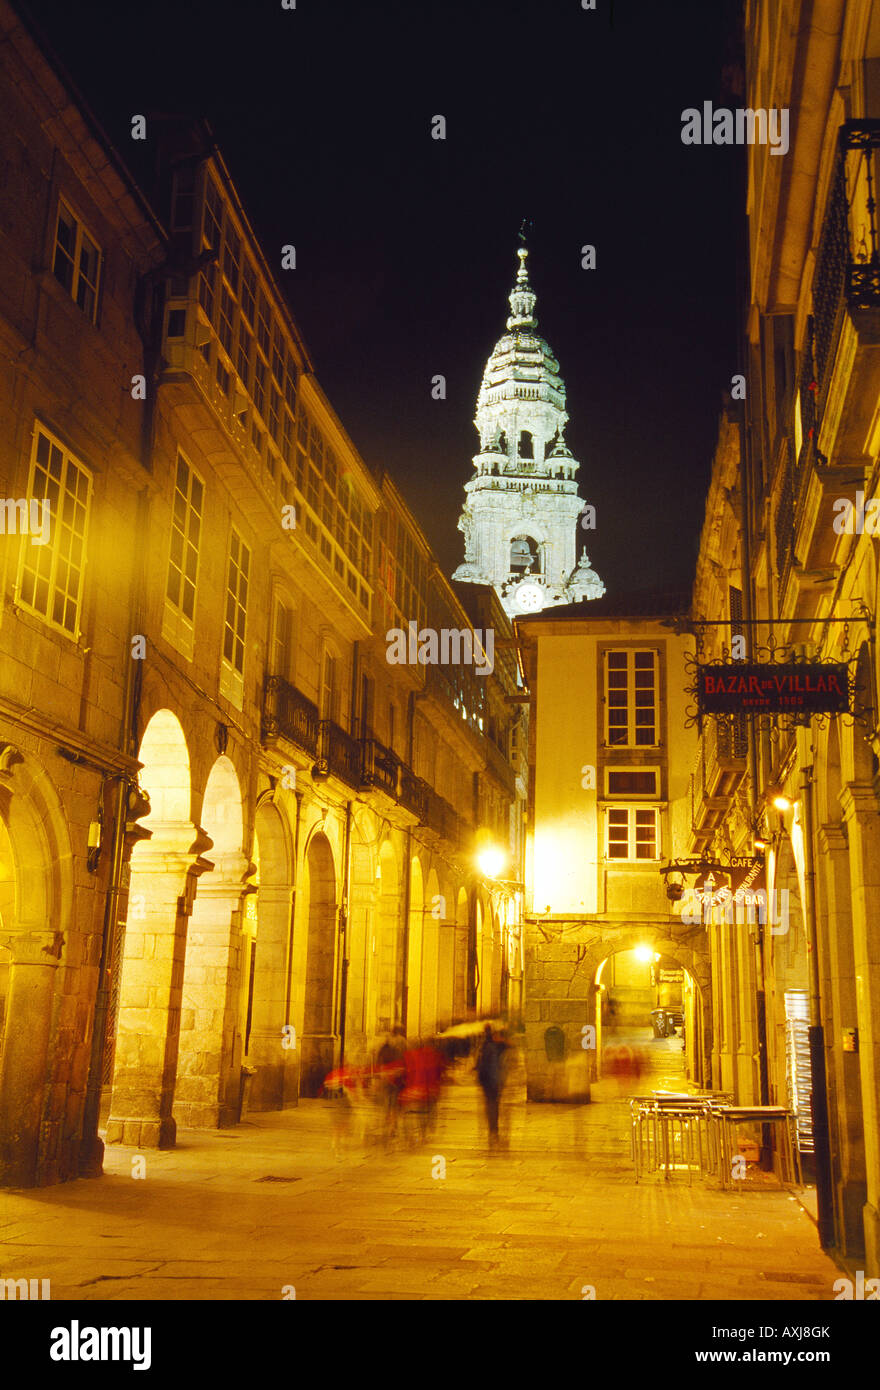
(520, 520)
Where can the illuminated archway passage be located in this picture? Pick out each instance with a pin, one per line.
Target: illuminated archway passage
(319, 1039)
(164, 872)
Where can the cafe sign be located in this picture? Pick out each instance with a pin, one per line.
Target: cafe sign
(774, 688)
(742, 880)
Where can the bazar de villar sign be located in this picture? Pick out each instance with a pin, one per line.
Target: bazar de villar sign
(774, 688)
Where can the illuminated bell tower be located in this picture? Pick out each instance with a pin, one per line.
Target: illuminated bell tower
(520, 520)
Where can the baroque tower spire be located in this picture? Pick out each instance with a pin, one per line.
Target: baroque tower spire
(520, 518)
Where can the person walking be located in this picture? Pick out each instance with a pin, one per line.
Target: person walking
(491, 1067)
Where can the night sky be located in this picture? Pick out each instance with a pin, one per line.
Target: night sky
(406, 245)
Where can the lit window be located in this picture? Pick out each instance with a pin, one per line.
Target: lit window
(259, 391)
(631, 698)
(186, 529)
(632, 833)
(213, 222)
(237, 580)
(249, 293)
(231, 257)
(51, 574)
(227, 314)
(77, 261)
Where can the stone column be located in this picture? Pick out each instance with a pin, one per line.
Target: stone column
(208, 1080)
(23, 1078)
(273, 1054)
(839, 998)
(163, 881)
(860, 811)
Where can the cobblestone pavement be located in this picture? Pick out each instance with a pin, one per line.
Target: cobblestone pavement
(283, 1202)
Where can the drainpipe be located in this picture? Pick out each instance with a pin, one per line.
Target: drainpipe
(819, 1083)
(287, 996)
(343, 931)
(407, 874)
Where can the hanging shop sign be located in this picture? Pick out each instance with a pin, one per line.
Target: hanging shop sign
(742, 880)
(774, 688)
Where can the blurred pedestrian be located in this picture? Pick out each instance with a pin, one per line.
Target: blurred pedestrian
(491, 1069)
(390, 1075)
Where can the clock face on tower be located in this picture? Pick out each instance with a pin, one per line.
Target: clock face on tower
(529, 598)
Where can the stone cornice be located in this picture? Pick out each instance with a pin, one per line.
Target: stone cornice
(107, 758)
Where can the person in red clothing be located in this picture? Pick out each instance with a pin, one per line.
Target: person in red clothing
(423, 1079)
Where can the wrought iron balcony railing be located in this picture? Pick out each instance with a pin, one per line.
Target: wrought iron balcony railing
(381, 768)
(341, 753)
(288, 714)
(719, 770)
(848, 263)
(412, 793)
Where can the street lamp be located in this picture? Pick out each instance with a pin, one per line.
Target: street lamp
(490, 861)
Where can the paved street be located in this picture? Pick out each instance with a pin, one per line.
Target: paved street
(246, 1213)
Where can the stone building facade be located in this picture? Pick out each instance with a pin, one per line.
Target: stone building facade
(609, 804)
(788, 562)
(236, 841)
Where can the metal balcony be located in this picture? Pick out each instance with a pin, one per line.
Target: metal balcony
(340, 753)
(381, 768)
(719, 770)
(848, 264)
(288, 714)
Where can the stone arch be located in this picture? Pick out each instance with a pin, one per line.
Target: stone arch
(524, 554)
(217, 966)
(388, 980)
(461, 954)
(36, 896)
(415, 943)
(319, 1004)
(165, 866)
(269, 1050)
(444, 908)
(360, 930)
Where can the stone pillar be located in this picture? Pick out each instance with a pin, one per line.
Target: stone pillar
(273, 1054)
(208, 1084)
(35, 958)
(747, 1069)
(839, 998)
(163, 881)
(860, 811)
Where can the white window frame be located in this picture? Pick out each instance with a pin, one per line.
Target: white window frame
(329, 709)
(632, 811)
(280, 602)
(35, 557)
(239, 571)
(631, 653)
(177, 627)
(76, 260)
(630, 767)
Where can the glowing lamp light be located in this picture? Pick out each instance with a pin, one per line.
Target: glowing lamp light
(490, 861)
(776, 797)
(644, 953)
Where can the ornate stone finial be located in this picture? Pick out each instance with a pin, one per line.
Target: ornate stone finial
(522, 296)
